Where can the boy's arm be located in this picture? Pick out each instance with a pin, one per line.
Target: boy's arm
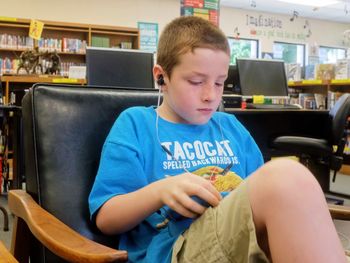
(123, 212)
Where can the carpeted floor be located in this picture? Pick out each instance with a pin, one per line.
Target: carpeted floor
(5, 236)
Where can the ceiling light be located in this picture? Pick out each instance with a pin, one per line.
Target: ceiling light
(314, 3)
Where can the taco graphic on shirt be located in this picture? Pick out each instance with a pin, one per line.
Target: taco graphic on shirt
(223, 183)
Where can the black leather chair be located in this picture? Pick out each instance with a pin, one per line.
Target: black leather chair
(64, 130)
(321, 151)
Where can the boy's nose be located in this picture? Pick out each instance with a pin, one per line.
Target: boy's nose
(209, 92)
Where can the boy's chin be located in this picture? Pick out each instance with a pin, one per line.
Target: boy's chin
(196, 119)
(200, 121)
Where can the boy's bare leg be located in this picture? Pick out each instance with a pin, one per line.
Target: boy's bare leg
(288, 204)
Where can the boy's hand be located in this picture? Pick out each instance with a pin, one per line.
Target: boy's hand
(176, 193)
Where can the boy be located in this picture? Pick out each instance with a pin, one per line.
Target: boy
(162, 167)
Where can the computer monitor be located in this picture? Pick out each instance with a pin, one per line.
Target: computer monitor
(119, 67)
(231, 85)
(262, 77)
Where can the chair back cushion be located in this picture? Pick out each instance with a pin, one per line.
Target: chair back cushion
(64, 131)
(339, 114)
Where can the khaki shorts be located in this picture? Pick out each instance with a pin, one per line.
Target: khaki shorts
(222, 234)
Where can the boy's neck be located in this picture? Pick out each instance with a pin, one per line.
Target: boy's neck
(166, 114)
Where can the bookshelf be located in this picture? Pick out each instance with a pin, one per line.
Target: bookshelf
(68, 39)
(330, 90)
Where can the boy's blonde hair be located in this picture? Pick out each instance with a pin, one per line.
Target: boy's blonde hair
(184, 34)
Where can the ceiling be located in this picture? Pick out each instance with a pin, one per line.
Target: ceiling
(339, 12)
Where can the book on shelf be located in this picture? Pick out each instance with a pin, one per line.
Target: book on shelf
(100, 41)
(126, 45)
(320, 100)
(325, 71)
(332, 97)
(294, 99)
(310, 72)
(342, 69)
(16, 41)
(293, 71)
(307, 100)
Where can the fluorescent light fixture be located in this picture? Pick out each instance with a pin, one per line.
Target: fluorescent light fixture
(313, 3)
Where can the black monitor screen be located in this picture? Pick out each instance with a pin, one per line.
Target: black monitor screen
(262, 77)
(119, 67)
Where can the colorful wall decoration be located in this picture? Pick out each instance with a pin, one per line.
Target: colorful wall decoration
(207, 9)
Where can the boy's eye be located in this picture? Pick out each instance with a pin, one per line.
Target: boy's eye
(219, 84)
(195, 82)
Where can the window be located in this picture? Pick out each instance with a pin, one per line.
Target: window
(242, 48)
(289, 53)
(331, 54)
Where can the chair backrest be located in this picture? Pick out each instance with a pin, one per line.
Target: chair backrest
(339, 114)
(64, 130)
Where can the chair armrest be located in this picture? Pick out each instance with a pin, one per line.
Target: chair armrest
(5, 255)
(339, 212)
(58, 237)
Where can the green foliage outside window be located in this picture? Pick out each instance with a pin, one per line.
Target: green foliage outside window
(288, 52)
(242, 48)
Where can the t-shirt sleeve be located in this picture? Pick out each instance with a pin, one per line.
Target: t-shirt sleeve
(120, 170)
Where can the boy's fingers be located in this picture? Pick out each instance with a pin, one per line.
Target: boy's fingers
(182, 210)
(211, 198)
(211, 188)
(193, 205)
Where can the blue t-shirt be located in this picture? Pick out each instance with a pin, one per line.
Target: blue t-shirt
(132, 158)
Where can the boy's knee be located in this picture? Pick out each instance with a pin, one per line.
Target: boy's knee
(279, 184)
(285, 171)
(281, 177)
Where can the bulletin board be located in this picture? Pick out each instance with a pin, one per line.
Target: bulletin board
(207, 9)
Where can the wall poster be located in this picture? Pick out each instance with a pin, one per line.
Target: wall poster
(207, 9)
(148, 36)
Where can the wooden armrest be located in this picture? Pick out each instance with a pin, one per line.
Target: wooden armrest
(339, 212)
(58, 237)
(5, 255)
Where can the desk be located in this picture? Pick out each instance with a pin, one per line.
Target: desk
(265, 125)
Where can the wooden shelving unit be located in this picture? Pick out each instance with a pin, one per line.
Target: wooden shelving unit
(68, 39)
(322, 86)
(329, 89)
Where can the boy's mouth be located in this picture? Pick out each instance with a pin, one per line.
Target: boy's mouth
(205, 110)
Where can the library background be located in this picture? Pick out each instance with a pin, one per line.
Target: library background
(299, 57)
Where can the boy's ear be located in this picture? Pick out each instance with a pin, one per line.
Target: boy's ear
(160, 80)
(158, 74)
